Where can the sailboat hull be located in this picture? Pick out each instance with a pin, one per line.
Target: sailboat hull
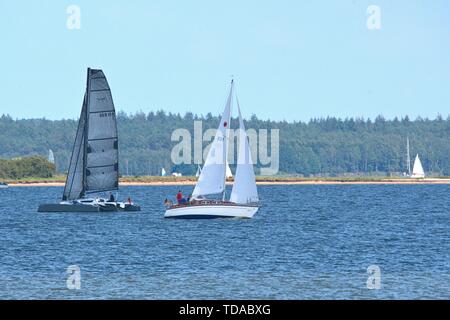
(211, 211)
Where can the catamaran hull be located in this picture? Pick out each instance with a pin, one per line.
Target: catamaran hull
(57, 207)
(211, 212)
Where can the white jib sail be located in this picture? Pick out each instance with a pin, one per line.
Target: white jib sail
(244, 187)
(417, 168)
(212, 177)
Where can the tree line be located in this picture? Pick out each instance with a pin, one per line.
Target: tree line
(320, 147)
(34, 166)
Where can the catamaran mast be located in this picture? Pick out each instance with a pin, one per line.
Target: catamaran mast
(85, 134)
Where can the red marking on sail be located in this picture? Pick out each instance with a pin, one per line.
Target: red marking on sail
(225, 124)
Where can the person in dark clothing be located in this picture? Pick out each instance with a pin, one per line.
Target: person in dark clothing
(111, 197)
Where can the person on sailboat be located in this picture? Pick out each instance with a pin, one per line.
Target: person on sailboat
(179, 197)
(111, 197)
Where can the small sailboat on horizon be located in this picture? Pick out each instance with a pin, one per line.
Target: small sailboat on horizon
(199, 170)
(94, 161)
(208, 197)
(417, 171)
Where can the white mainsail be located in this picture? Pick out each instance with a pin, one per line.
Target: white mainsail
(244, 187)
(163, 172)
(418, 169)
(213, 175)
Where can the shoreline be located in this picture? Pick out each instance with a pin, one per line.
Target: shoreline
(261, 182)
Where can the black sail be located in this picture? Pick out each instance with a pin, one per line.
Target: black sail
(102, 154)
(74, 187)
(96, 145)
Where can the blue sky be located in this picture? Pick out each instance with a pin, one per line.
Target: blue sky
(291, 60)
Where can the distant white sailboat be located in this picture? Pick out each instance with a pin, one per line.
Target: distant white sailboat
(199, 170)
(51, 156)
(163, 172)
(417, 169)
(229, 174)
(244, 200)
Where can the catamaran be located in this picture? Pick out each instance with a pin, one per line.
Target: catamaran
(208, 197)
(94, 162)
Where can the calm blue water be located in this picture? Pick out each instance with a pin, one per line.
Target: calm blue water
(306, 242)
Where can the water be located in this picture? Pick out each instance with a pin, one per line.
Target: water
(306, 242)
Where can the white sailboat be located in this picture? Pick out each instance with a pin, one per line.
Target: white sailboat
(229, 174)
(417, 169)
(199, 170)
(51, 156)
(163, 172)
(208, 198)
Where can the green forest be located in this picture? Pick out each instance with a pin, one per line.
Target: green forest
(320, 147)
(20, 168)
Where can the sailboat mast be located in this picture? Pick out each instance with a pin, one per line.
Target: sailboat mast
(85, 134)
(408, 160)
(225, 144)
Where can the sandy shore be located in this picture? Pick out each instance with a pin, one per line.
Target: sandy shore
(268, 182)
